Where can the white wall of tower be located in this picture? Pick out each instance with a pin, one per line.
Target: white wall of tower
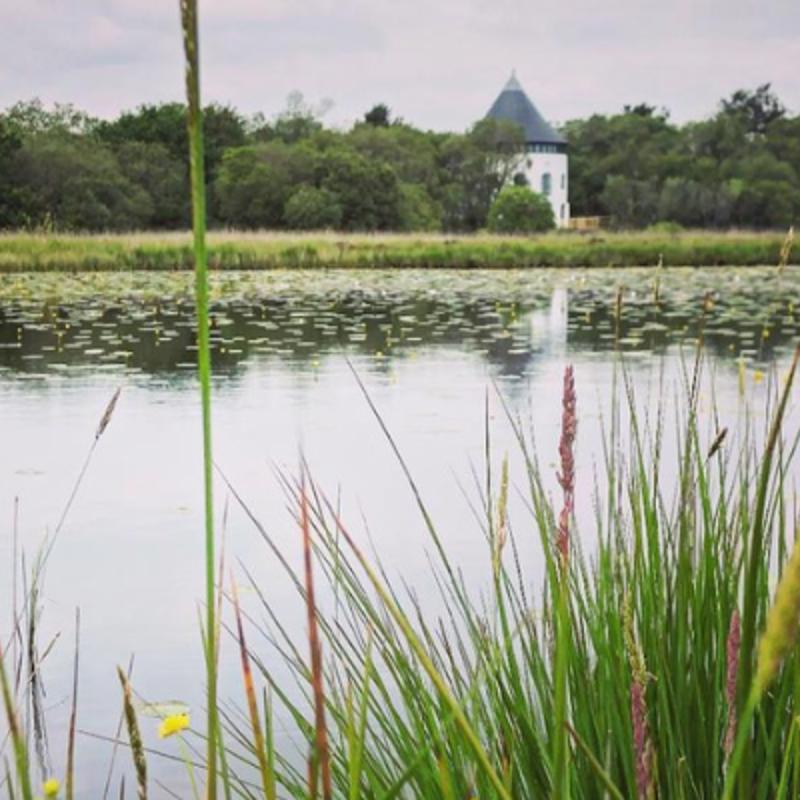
(548, 174)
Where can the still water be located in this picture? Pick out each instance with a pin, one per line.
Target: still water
(434, 351)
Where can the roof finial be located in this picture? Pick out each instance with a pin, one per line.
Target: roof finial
(512, 84)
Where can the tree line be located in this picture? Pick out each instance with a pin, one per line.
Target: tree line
(65, 170)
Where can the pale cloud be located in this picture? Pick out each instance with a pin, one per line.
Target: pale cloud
(437, 64)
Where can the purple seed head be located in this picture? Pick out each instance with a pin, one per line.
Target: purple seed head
(566, 476)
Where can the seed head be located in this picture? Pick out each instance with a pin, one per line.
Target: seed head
(566, 477)
(782, 622)
(732, 652)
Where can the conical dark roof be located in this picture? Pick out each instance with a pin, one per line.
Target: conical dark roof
(514, 105)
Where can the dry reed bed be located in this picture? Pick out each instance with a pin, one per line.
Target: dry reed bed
(272, 250)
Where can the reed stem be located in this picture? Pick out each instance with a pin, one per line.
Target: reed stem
(197, 176)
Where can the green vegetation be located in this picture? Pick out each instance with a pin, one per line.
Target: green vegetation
(63, 170)
(517, 209)
(253, 251)
(194, 128)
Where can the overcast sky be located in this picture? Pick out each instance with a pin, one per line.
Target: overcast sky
(436, 63)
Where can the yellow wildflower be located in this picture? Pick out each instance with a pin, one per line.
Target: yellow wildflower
(758, 376)
(50, 787)
(175, 723)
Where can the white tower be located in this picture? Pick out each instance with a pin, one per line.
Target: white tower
(545, 168)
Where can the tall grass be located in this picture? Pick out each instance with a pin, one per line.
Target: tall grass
(197, 177)
(469, 705)
(242, 250)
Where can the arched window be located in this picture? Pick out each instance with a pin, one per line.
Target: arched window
(546, 184)
(563, 180)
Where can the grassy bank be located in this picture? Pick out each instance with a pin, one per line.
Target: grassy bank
(21, 252)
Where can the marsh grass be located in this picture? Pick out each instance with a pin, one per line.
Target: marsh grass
(464, 706)
(242, 250)
(194, 120)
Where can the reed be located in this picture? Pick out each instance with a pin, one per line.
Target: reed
(134, 736)
(470, 706)
(16, 733)
(247, 250)
(197, 176)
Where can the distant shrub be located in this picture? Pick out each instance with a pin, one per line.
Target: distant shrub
(517, 209)
(310, 208)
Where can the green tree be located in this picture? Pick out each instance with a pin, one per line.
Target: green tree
(517, 209)
(298, 121)
(149, 166)
(769, 195)
(11, 200)
(473, 168)
(418, 211)
(631, 203)
(252, 186)
(255, 181)
(368, 190)
(758, 108)
(164, 124)
(694, 204)
(30, 117)
(410, 152)
(741, 166)
(378, 116)
(75, 184)
(310, 208)
(640, 147)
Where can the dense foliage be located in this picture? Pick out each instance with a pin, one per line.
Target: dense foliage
(517, 209)
(740, 167)
(60, 168)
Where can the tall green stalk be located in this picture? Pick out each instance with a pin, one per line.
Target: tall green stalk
(16, 734)
(756, 565)
(195, 127)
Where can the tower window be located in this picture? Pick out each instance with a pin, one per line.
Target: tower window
(546, 184)
(563, 181)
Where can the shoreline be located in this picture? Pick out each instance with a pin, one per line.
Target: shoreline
(236, 250)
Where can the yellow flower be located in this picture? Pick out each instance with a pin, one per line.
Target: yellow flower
(50, 787)
(175, 723)
(758, 376)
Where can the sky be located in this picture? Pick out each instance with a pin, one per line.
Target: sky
(438, 64)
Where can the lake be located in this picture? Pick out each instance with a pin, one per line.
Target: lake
(438, 352)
